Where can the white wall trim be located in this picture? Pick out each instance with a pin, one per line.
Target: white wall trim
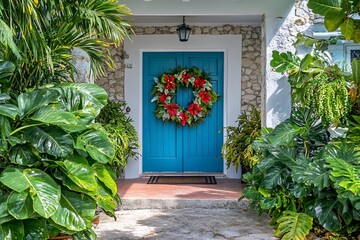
(229, 44)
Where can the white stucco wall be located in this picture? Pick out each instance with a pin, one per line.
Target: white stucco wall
(229, 44)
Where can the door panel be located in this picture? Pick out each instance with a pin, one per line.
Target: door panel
(167, 147)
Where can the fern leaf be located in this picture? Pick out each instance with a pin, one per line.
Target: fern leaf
(293, 226)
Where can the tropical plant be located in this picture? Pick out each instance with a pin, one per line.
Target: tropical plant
(315, 82)
(38, 37)
(114, 118)
(339, 14)
(237, 149)
(304, 182)
(54, 168)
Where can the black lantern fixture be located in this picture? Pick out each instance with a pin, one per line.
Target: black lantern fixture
(183, 31)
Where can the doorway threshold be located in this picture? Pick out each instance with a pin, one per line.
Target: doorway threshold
(215, 174)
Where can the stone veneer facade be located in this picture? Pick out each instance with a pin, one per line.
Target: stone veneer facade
(251, 61)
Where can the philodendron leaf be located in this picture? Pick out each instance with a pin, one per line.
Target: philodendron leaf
(322, 7)
(80, 173)
(4, 213)
(293, 225)
(326, 215)
(9, 110)
(313, 173)
(52, 115)
(76, 212)
(36, 229)
(30, 102)
(23, 155)
(13, 230)
(284, 133)
(97, 145)
(103, 175)
(347, 28)
(45, 192)
(50, 140)
(20, 205)
(345, 175)
(6, 69)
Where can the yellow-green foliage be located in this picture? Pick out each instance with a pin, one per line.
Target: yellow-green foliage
(237, 149)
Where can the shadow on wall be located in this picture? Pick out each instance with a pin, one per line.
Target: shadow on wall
(279, 102)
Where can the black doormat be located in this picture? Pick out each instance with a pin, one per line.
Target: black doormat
(182, 180)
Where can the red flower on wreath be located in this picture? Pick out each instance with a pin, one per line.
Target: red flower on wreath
(183, 117)
(170, 82)
(194, 109)
(171, 109)
(163, 97)
(199, 82)
(186, 77)
(205, 97)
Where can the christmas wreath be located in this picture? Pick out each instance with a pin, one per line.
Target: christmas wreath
(165, 91)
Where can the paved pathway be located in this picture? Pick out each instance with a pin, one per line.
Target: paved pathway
(183, 224)
(183, 212)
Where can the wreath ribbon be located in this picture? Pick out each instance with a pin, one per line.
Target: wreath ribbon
(165, 89)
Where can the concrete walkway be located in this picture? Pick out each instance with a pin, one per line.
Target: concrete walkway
(176, 212)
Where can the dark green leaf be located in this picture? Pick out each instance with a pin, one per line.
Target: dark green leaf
(51, 140)
(29, 102)
(9, 110)
(36, 229)
(6, 69)
(284, 133)
(23, 155)
(4, 213)
(325, 212)
(314, 173)
(13, 230)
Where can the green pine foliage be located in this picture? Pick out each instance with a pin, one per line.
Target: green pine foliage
(237, 150)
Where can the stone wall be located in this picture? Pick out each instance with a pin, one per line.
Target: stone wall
(251, 60)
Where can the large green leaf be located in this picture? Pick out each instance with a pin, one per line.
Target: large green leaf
(76, 212)
(313, 173)
(80, 173)
(29, 102)
(103, 175)
(9, 110)
(50, 140)
(14, 179)
(13, 230)
(293, 226)
(284, 133)
(23, 155)
(6, 69)
(4, 213)
(284, 62)
(346, 151)
(51, 114)
(36, 229)
(333, 20)
(78, 96)
(347, 28)
(275, 176)
(88, 234)
(45, 192)
(325, 212)
(5, 127)
(20, 205)
(322, 7)
(345, 175)
(104, 200)
(97, 145)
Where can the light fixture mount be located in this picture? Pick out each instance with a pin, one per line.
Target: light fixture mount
(183, 31)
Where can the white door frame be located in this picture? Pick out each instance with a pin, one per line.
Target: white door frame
(230, 45)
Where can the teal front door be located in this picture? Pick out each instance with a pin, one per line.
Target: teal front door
(168, 147)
